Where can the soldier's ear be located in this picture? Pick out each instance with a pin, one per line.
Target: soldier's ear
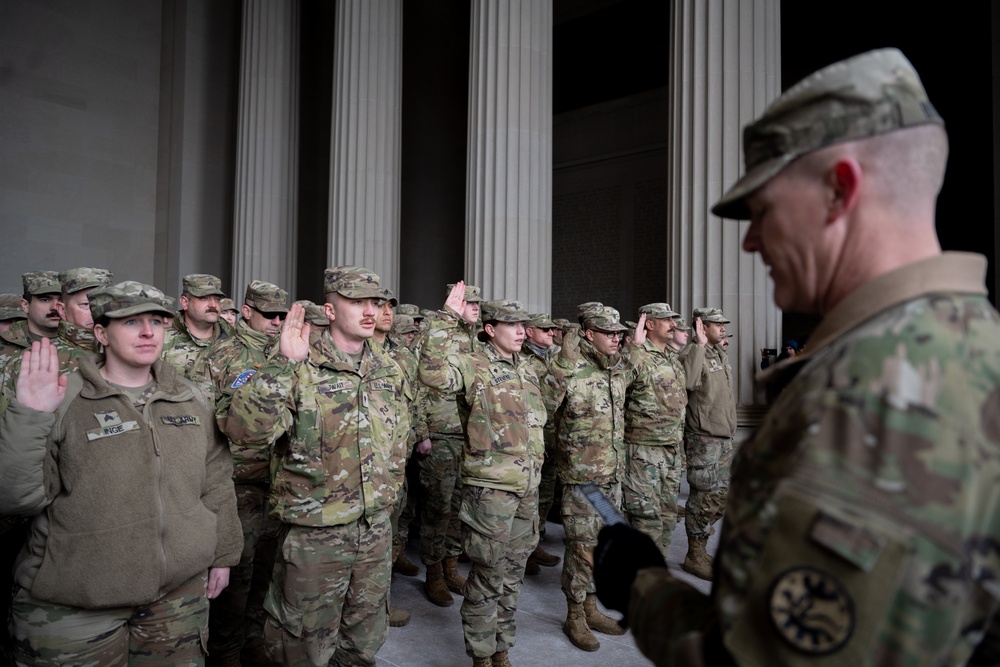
(329, 311)
(245, 310)
(101, 334)
(490, 330)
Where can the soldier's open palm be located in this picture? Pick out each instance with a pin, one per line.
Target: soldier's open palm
(294, 341)
(39, 385)
(456, 298)
(639, 335)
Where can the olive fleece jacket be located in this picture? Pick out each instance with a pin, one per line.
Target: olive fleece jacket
(127, 506)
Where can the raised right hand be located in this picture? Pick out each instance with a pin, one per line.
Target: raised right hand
(39, 384)
(456, 299)
(294, 341)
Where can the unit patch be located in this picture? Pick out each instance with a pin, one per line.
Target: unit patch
(243, 378)
(812, 610)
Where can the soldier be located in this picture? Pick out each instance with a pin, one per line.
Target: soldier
(654, 426)
(681, 333)
(404, 329)
(557, 333)
(41, 307)
(586, 386)
(237, 615)
(342, 400)
(503, 414)
(10, 311)
(135, 523)
(76, 327)
(537, 352)
(229, 312)
(198, 326)
(868, 495)
(710, 426)
(441, 469)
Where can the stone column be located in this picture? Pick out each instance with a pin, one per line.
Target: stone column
(509, 200)
(365, 138)
(725, 67)
(266, 198)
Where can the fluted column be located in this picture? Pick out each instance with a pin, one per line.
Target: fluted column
(266, 193)
(365, 156)
(725, 67)
(509, 200)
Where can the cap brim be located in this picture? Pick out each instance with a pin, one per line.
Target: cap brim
(613, 328)
(207, 292)
(138, 309)
(733, 204)
(362, 293)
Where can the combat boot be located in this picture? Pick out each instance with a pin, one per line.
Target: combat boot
(500, 659)
(434, 587)
(398, 617)
(544, 558)
(598, 621)
(452, 579)
(532, 567)
(482, 662)
(577, 630)
(402, 564)
(697, 561)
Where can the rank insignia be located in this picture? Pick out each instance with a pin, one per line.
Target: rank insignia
(811, 610)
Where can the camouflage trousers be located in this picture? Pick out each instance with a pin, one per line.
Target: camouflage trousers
(441, 477)
(650, 489)
(547, 485)
(236, 617)
(708, 462)
(499, 532)
(329, 597)
(170, 631)
(582, 523)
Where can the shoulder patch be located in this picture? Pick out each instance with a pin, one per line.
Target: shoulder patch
(811, 610)
(243, 378)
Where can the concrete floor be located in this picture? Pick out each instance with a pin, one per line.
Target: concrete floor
(433, 638)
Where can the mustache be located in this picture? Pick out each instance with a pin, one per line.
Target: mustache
(53, 313)
(211, 310)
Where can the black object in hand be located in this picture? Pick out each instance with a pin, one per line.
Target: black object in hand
(621, 552)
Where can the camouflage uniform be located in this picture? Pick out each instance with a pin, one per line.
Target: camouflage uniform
(589, 389)
(181, 349)
(441, 469)
(10, 307)
(708, 432)
(237, 615)
(539, 360)
(654, 436)
(333, 489)
(502, 410)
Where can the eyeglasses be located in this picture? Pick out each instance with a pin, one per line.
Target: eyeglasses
(270, 316)
(614, 334)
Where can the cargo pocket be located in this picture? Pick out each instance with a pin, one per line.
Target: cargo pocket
(486, 515)
(821, 585)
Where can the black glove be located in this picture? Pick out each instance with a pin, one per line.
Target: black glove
(621, 552)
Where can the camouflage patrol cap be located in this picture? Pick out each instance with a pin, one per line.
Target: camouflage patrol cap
(561, 323)
(315, 314)
(658, 311)
(404, 324)
(409, 309)
(541, 321)
(425, 313)
(390, 296)
(870, 94)
(10, 307)
(202, 284)
(354, 282)
(682, 324)
(228, 304)
(128, 298)
(266, 297)
(504, 310)
(37, 283)
(713, 315)
(74, 280)
(472, 293)
(604, 318)
(630, 325)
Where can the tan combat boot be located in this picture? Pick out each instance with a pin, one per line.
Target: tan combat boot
(452, 579)
(577, 630)
(434, 587)
(697, 561)
(544, 558)
(598, 621)
(402, 564)
(398, 617)
(482, 662)
(500, 659)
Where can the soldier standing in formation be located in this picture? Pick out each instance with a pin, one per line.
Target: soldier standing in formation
(198, 325)
(503, 414)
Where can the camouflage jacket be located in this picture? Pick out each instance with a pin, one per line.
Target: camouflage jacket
(227, 366)
(711, 406)
(79, 337)
(589, 390)
(863, 518)
(440, 409)
(403, 356)
(656, 401)
(182, 350)
(347, 431)
(501, 408)
(539, 365)
(14, 341)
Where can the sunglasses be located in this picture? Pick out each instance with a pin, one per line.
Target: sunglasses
(270, 316)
